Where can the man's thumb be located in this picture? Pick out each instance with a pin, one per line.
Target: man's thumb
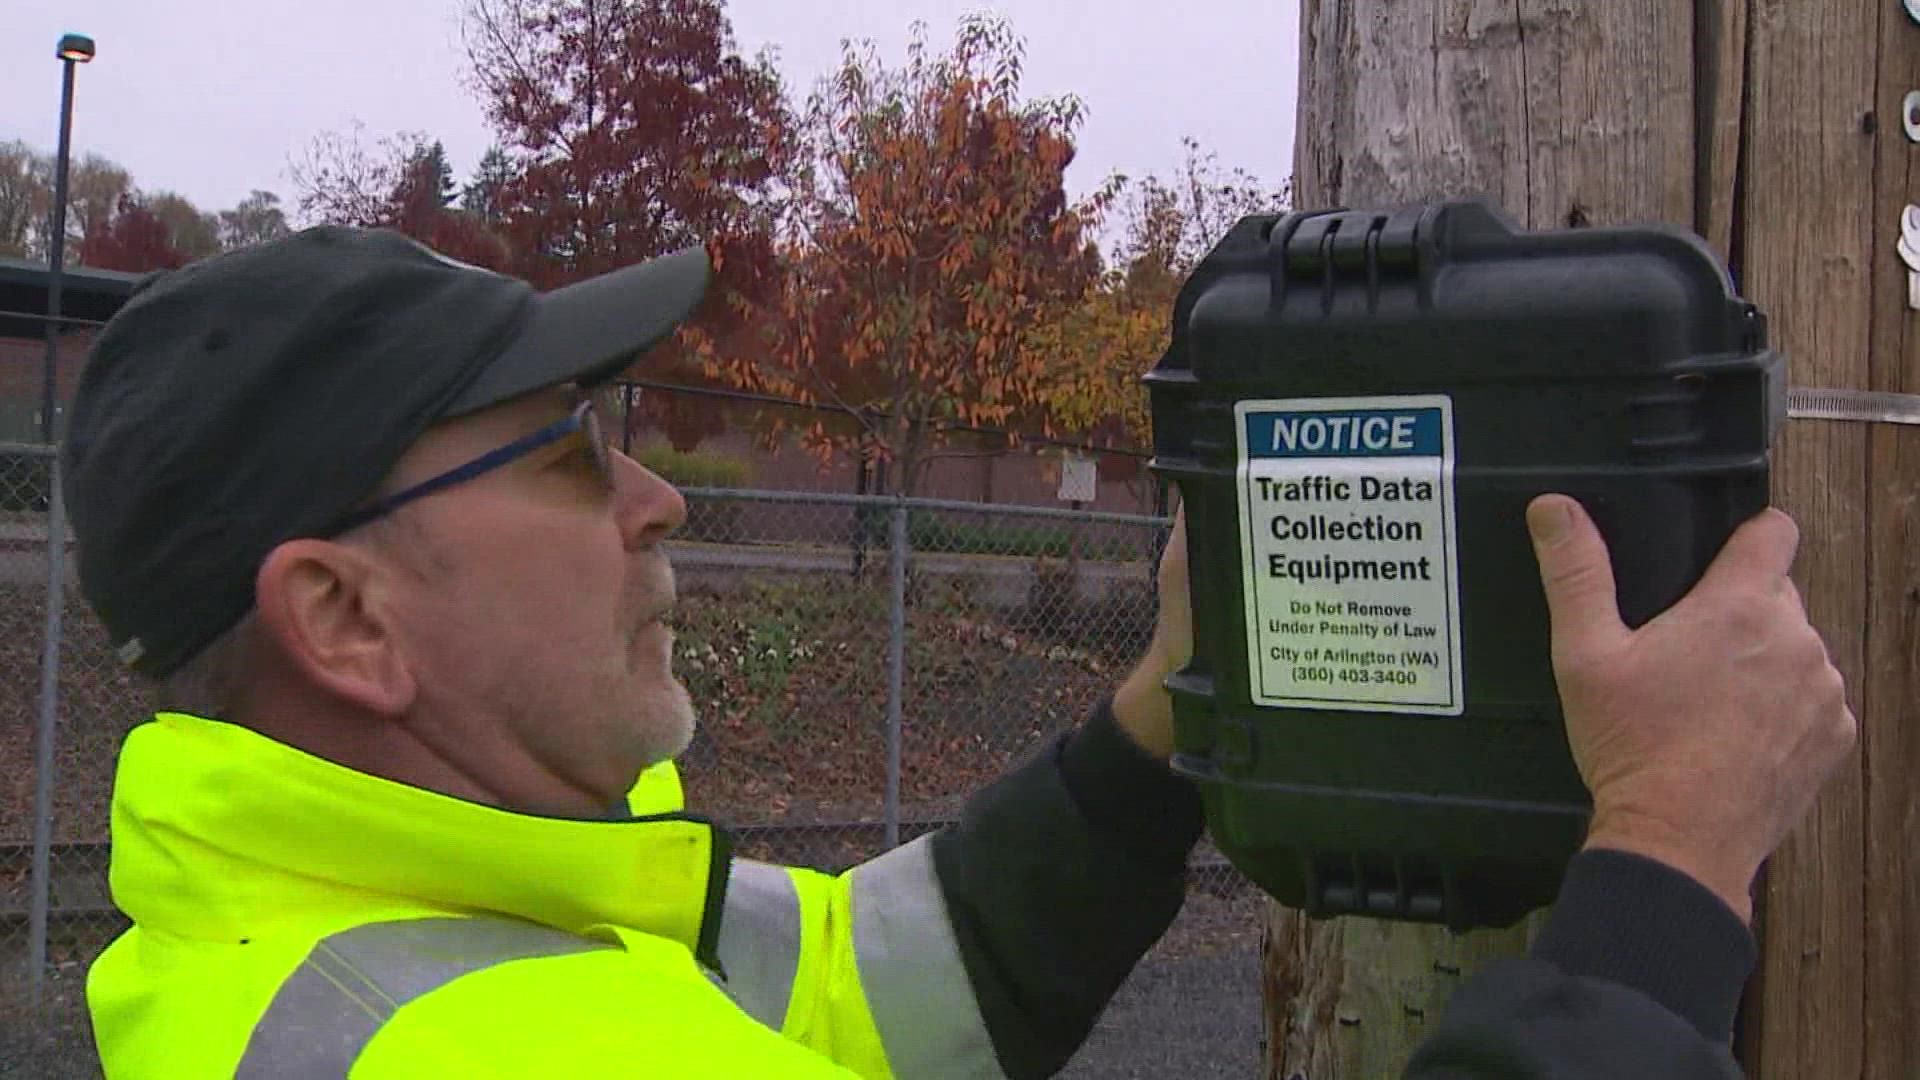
(1575, 572)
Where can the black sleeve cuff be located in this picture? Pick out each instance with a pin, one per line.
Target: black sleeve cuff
(1128, 793)
(1641, 923)
(1055, 887)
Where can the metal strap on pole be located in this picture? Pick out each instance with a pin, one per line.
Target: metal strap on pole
(1857, 406)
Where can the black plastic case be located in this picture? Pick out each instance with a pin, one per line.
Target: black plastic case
(1614, 365)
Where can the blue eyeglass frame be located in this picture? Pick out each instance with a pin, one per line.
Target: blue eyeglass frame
(581, 419)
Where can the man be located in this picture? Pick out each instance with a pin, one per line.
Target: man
(408, 809)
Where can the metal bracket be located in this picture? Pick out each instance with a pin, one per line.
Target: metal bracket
(1909, 247)
(1858, 406)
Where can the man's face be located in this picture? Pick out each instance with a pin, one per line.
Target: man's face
(532, 609)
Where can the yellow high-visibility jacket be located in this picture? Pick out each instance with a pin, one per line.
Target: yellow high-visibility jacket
(294, 918)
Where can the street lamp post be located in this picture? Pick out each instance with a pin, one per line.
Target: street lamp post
(73, 49)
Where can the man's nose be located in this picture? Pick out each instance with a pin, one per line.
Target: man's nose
(649, 508)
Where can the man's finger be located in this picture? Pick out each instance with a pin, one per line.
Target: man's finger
(1575, 572)
(1760, 552)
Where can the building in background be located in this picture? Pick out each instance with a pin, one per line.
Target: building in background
(87, 297)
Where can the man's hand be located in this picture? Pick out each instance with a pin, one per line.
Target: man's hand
(1705, 734)
(1142, 705)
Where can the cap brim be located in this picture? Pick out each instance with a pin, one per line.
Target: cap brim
(588, 332)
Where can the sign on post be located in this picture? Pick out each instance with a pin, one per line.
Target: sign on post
(1079, 479)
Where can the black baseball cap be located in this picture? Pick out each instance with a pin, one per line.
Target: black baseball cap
(261, 395)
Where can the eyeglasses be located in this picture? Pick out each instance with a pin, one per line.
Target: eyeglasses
(582, 419)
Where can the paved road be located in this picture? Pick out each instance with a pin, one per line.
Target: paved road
(28, 567)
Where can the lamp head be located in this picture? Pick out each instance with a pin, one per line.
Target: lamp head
(75, 47)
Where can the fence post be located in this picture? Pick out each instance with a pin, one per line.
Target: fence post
(626, 418)
(896, 660)
(860, 516)
(40, 884)
(1161, 508)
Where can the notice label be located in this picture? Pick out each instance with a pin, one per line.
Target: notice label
(1349, 545)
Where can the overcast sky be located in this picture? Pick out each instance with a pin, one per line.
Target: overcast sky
(211, 98)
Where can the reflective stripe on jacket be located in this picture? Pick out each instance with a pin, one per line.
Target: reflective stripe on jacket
(293, 918)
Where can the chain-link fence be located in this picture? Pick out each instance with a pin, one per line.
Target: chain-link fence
(861, 664)
(950, 638)
(65, 707)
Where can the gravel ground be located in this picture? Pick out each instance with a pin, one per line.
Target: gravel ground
(1196, 1017)
(1192, 1007)
(53, 1043)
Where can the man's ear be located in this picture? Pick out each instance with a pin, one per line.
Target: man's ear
(324, 605)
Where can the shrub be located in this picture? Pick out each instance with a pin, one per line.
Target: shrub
(717, 520)
(694, 468)
(928, 533)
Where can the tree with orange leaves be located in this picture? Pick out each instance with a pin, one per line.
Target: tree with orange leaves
(1093, 351)
(931, 231)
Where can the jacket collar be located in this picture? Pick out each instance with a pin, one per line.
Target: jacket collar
(222, 833)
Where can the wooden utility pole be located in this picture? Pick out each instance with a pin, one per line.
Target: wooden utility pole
(1890, 990)
(1773, 128)
(1805, 245)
